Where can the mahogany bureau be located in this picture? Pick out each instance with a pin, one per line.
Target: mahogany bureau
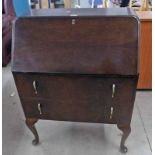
(77, 65)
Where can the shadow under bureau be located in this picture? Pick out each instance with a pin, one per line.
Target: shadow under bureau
(77, 65)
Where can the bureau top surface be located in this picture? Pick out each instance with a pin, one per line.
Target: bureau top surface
(81, 12)
(85, 41)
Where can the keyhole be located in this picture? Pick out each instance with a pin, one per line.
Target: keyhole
(73, 21)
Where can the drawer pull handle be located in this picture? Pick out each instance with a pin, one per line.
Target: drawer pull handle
(111, 112)
(35, 87)
(113, 90)
(39, 108)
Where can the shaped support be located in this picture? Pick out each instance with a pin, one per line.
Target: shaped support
(30, 124)
(126, 129)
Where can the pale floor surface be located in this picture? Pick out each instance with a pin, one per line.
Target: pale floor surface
(61, 138)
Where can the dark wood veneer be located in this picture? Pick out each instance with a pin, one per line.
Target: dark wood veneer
(81, 68)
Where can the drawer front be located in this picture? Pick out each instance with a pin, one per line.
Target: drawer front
(53, 87)
(78, 111)
(93, 45)
(89, 99)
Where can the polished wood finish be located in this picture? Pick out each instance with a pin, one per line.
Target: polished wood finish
(30, 124)
(144, 15)
(126, 131)
(86, 70)
(75, 98)
(145, 76)
(76, 57)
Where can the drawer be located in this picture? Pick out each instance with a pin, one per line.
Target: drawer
(50, 86)
(78, 111)
(78, 98)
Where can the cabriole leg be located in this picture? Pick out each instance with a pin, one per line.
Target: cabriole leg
(126, 129)
(30, 124)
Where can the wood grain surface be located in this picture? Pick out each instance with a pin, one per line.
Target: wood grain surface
(145, 69)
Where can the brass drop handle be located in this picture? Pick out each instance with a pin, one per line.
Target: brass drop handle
(113, 90)
(39, 108)
(111, 112)
(35, 86)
